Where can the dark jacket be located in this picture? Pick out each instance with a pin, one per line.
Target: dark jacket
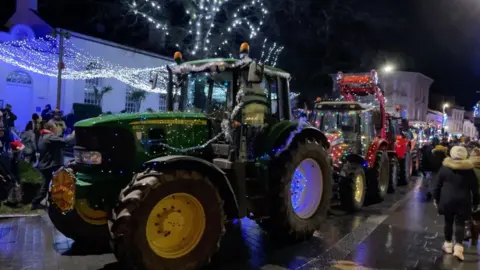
(438, 154)
(51, 147)
(28, 140)
(426, 154)
(476, 168)
(456, 190)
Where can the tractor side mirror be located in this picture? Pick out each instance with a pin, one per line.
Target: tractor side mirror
(255, 73)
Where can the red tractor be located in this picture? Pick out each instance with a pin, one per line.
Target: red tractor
(366, 152)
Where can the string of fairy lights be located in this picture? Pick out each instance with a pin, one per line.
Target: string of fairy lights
(271, 57)
(211, 24)
(41, 56)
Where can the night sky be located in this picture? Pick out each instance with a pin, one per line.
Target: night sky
(435, 37)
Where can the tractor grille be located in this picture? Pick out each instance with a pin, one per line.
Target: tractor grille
(117, 145)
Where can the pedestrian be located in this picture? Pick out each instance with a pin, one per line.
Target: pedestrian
(29, 141)
(473, 225)
(58, 122)
(10, 116)
(456, 193)
(432, 162)
(47, 113)
(50, 146)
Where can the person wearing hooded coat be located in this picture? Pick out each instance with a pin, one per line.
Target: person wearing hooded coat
(472, 227)
(456, 193)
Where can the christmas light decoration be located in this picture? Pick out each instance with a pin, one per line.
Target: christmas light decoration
(41, 56)
(270, 58)
(212, 23)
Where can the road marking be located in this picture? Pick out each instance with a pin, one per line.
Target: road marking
(349, 242)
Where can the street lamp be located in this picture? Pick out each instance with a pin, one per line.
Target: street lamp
(445, 106)
(388, 68)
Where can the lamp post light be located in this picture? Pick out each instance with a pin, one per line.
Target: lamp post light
(388, 68)
(445, 106)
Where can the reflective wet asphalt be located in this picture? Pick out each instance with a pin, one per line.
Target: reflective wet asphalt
(403, 232)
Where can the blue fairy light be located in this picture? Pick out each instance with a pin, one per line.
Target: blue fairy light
(297, 186)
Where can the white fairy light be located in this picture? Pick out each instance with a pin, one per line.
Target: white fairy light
(41, 56)
(203, 26)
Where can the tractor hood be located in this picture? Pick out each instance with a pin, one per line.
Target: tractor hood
(126, 140)
(338, 147)
(159, 118)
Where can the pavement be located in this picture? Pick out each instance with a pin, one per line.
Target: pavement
(402, 232)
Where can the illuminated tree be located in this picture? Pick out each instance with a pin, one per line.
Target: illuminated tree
(207, 28)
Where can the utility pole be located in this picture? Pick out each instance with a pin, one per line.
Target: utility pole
(62, 35)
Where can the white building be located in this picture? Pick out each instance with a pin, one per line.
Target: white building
(409, 90)
(435, 118)
(29, 92)
(455, 120)
(469, 129)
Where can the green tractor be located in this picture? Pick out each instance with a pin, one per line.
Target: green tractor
(162, 186)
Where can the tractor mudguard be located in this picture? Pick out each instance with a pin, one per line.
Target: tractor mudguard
(356, 159)
(280, 132)
(375, 145)
(217, 176)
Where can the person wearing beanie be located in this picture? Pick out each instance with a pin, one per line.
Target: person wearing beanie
(455, 194)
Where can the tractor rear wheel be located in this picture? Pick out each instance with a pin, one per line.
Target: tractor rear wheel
(82, 224)
(353, 188)
(303, 192)
(394, 171)
(379, 177)
(406, 168)
(171, 220)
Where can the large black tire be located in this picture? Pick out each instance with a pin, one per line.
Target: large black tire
(284, 223)
(405, 168)
(379, 177)
(73, 226)
(348, 187)
(128, 220)
(394, 174)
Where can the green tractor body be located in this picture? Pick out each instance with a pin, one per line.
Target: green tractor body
(162, 186)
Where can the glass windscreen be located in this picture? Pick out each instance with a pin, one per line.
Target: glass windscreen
(331, 120)
(200, 85)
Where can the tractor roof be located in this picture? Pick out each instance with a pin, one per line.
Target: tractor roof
(133, 117)
(341, 106)
(203, 65)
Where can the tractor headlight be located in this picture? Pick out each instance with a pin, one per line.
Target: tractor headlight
(88, 157)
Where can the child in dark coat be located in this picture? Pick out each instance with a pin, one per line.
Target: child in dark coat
(456, 193)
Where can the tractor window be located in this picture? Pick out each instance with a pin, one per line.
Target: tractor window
(272, 85)
(207, 92)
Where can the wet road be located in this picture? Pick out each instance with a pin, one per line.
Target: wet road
(400, 233)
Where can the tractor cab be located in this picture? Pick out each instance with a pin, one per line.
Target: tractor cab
(348, 123)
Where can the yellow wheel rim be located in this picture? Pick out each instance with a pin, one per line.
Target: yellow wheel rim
(175, 225)
(90, 215)
(358, 188)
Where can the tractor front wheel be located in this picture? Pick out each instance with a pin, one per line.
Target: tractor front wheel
(394, 170)
(172, 220)
(406, 168)
(353, 188)
(83, 224)
(379, 177)
(303, 185)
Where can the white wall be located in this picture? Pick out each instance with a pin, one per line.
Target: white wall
(118, 55)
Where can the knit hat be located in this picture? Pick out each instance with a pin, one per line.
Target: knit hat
(458, 153)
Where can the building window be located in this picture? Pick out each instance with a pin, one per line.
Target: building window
(131, 105)
(162, 102)
(19, 77)
(91, 98)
